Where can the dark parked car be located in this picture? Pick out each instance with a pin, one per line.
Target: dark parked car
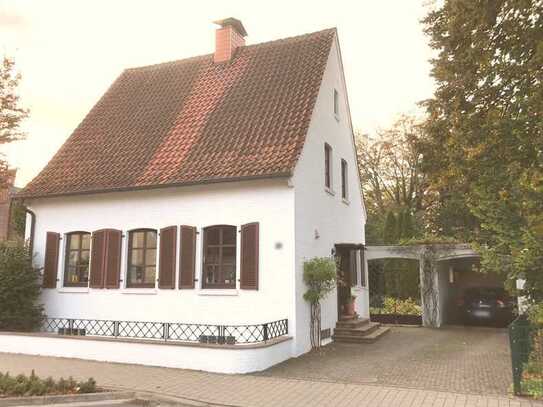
(490, 305)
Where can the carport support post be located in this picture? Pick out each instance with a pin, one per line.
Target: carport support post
(429, 288)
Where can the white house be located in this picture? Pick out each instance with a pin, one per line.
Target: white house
(173, 224)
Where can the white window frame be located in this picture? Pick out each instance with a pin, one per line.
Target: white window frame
(124, 265)
(329, 188)
(336, 104)
(344, 180)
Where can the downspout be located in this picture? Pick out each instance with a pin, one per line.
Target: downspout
(32, 230)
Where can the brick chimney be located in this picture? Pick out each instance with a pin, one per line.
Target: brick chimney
(228, 37)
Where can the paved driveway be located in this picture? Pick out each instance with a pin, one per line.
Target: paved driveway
(459, 359)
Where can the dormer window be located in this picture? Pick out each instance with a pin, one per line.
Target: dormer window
(336, 103)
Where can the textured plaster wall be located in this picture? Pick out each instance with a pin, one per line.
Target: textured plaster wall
(323, 218)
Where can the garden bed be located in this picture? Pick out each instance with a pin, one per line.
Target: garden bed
(396, 311)
(396, 319)
(28, 386)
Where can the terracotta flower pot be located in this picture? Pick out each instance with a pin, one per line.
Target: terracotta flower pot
(349, 308)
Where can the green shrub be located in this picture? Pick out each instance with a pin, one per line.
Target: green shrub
(24, 386)
(320, 278)
(19, 289)
(535, 314)
(532, 385)
(532, 375)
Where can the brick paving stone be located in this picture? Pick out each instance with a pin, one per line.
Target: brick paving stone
(452, 359)
(247, 390)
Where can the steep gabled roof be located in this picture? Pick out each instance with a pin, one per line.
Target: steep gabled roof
(193, 121)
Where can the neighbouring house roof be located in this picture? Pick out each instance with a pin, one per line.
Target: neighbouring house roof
(194, 121)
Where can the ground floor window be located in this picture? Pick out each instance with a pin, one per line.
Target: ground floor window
(219, 268)
(76, 265)
(142, 244)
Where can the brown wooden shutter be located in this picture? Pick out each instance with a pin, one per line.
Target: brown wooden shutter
(50, 266)
(112, 261)
(168, 243)
(249, 256)
(187, 257)
(106, 258)
(98, 252)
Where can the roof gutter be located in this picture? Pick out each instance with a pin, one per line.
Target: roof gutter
(286, 174)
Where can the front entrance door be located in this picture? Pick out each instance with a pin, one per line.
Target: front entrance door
(346, 264)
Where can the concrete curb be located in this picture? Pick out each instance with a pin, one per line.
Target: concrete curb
(68, 398)
(152, 399)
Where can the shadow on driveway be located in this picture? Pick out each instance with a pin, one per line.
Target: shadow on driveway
(457, 359)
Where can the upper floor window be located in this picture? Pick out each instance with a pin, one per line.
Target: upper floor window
(327, 166)
(142, 245)
(344, 180)
(76, 265)
(219, 269)
(336, 103)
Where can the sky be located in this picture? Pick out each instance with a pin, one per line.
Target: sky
(70, 51)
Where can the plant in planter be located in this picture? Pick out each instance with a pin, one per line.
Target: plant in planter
(320, 279)
(350, 306)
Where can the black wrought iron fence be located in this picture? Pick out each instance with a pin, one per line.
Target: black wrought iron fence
(169, 331)
(526, 342)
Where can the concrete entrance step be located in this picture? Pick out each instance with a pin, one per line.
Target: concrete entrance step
(358, 330)
(352, 323)
(369, 338)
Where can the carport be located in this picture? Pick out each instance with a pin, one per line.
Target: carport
(456, 275)
(445, 271)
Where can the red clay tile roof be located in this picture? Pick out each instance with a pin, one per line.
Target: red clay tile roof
(193, 121)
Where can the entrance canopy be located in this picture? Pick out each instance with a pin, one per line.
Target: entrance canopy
(442, 251)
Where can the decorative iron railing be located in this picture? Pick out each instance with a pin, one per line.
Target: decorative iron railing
(168, 331)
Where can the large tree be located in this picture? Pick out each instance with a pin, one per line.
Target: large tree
(12, 113)
(483, 140)
(391, 176)
(395, 197)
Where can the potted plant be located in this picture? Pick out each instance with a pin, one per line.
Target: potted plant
(349, 305)
(320, 279)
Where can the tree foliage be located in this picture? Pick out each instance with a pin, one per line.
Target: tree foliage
(17, 220)
(12, 113)
(19, 289)
(391, 176)
(395, 192)
(483, 140)
(390, 166)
